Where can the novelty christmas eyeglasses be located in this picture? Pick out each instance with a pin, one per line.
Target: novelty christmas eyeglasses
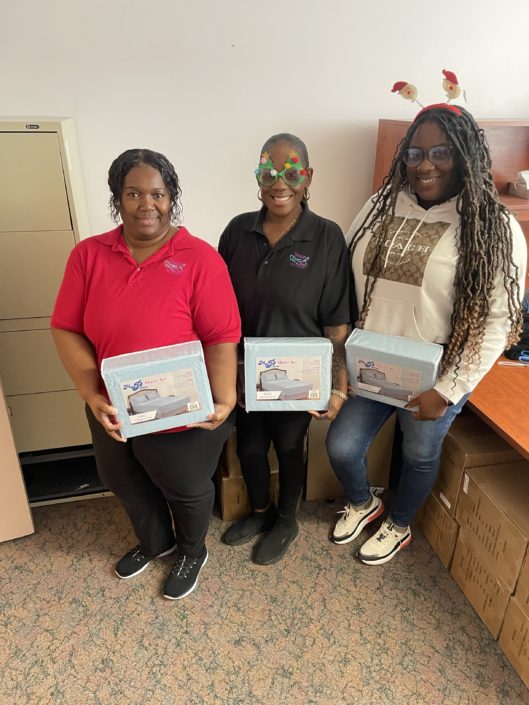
(293, 172)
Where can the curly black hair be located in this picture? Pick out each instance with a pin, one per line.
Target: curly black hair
(131, 158)
(485, 241)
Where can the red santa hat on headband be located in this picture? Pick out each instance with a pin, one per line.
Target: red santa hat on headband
(451, 85)
(450, 76)
(406, 90)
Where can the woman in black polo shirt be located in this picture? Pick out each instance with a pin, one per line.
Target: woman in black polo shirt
(291, 276)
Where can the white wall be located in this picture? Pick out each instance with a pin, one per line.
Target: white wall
(207, 81)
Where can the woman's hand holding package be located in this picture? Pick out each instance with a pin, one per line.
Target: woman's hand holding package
(431, 405)
(222, 411)
(105, 413)
(335, 404)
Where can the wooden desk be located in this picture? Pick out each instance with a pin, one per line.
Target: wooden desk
(501, 399)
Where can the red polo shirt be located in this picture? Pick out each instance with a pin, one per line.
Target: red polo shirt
(181, 293)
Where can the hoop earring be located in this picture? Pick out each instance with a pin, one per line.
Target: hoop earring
(306, 194)
(259, 195)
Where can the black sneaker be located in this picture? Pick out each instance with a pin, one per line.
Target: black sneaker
(183, 578)
(275, 543)
(135, 561)
(245, 529)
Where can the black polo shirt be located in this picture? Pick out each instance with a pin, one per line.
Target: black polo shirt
(294, 288)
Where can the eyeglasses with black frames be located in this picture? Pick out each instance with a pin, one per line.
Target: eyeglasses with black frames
(438, 155)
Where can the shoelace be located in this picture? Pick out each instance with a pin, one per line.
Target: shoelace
(384, 533)
(137, 554)
(348, 509)
(183, 566)
(388, 530)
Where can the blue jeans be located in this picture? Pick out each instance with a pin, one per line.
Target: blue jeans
(351, 434)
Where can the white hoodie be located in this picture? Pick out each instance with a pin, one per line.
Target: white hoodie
(414, 295)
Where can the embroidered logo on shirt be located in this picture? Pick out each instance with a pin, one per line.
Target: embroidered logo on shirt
(298, 260)
(406, 255)
(175, 267)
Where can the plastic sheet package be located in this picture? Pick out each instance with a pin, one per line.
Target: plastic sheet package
(287, 374)
(154, 390)
(389, 368)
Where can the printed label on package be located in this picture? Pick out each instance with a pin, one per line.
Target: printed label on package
(401, 383)
(287, 378)
(160, 396)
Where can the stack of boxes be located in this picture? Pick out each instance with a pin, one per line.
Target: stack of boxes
(514, 635)
(477, 521)
(322, 482)
(470, 443)
(232, 493)
(493, 514)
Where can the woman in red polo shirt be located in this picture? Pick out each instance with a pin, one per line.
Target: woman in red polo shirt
(145, 284)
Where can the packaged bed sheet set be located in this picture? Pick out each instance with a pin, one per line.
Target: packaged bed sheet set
(287, 374)
(389, 368)
(157, 389)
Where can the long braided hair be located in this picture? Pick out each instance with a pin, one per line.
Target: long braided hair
(484, 242)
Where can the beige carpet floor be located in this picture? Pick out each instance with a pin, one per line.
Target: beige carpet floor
(317, 628)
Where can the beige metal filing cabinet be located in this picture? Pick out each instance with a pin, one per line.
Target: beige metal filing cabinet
(42, 216)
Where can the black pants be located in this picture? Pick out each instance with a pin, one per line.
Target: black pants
(162, 478)
(286, 430)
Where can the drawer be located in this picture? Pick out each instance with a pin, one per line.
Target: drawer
(50, 420)
(29, 363)
(32, 189)
(31, 270)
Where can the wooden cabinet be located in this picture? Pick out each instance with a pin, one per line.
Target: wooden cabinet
(509, 148)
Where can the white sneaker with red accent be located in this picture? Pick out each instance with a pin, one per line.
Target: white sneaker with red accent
(388, 541)
(352, 521)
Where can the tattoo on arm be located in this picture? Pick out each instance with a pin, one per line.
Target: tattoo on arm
(338, 335)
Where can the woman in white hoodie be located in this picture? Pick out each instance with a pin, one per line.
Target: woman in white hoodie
(436, 257)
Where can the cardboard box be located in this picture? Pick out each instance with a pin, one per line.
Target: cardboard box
(522, 587)
(322, 482)
(487, 594)
(158, 389)
(448, 483)
(287, 374)
(439, 528)
(469, 443)
(230, 460)
(514, 639)
(389, 368)
(472, 443)
(233, 495)
(494, 512)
